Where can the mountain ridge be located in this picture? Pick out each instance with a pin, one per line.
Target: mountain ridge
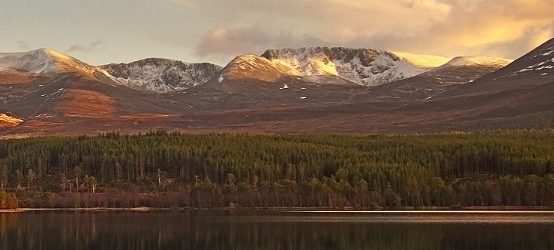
(367, 67)
(254, 94)
(162, 75)
(323, 65)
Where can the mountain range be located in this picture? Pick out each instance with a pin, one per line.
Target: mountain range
(321, 89)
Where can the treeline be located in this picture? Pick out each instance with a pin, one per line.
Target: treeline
(159, 169)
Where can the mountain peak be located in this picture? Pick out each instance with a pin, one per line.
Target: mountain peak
(34, 62)
(45, 61)
(478, 61)
(256, 67)
(50, 52)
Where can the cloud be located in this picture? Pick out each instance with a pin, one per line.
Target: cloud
(224, 42)
(338, 18)
(23, 45)
(482, 25)
(506, 28)
(85, 47)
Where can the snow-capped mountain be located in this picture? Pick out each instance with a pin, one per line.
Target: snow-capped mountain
(361, 66)
(254, 67)
(159, 75)
(46, 61)
(162, 75)
(478, 61)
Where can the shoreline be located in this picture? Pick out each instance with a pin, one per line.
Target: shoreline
(299, 210)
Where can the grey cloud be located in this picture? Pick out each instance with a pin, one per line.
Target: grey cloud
(23, 45)
(85, 47)
(229, 42)
(303, 23)
(320, 17)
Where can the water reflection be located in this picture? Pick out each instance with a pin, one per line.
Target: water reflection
(266, 230)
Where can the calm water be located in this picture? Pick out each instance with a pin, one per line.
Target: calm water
(273, 230)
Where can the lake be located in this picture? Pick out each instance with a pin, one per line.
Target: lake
(258, 229)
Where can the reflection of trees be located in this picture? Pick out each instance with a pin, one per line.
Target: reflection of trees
(219, 230)
(8, 223)
(8, 200)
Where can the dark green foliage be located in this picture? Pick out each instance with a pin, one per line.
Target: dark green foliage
(479, 169)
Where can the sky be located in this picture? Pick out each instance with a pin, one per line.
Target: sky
(113, 31)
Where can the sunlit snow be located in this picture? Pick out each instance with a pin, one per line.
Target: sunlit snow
(361, 66)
